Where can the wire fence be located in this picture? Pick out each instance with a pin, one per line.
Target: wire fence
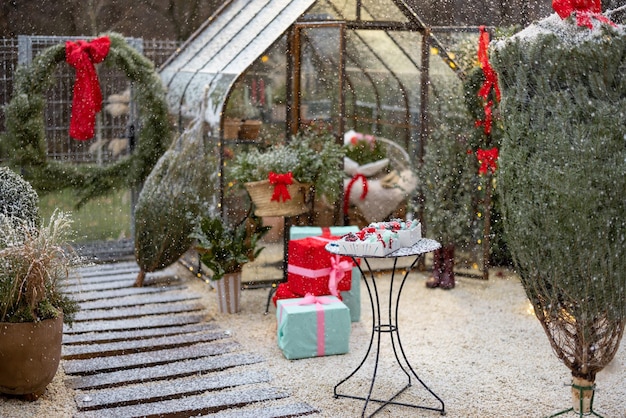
(112, 125)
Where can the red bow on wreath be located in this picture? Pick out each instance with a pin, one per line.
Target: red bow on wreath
(585, 10)
(280, 182)
(87, 100)
(488, 160)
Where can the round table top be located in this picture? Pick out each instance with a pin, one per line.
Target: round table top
(424, 245)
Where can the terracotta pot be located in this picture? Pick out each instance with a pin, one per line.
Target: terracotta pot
(29, 355)
(250, 129)
(228, 292)
(231, 128)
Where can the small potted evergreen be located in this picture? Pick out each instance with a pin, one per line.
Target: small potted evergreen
(281, 178)
(225, 249)
(34, 259)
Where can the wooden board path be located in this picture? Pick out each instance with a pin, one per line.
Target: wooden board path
(155, 352)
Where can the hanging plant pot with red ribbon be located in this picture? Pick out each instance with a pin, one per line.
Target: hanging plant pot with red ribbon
(284, 179)
(279, 195)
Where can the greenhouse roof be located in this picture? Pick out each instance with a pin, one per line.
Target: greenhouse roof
(211, 61)
(381, 39)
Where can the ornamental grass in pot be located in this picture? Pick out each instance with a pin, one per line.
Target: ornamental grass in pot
(34, 259)
(283, 178)
(225, 249)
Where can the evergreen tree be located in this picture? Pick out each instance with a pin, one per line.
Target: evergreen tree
(447, 175)
(562, 177)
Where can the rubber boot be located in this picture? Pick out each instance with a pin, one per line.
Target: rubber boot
(434, 281)
(447, 277)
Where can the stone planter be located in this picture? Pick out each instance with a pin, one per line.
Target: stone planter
(29, 356)
(228, 292)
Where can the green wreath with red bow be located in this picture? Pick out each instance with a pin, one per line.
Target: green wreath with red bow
(25, 136)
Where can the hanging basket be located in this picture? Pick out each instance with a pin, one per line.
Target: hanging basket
(261, 194)
(250, 129)
(228, 292)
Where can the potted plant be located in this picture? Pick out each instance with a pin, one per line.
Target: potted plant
(241, 118)
(33, 261)
(251, 123)
(225, 249)
(279, 178)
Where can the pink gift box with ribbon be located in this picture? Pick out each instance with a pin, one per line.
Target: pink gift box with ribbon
(312, 326)
(313, 270)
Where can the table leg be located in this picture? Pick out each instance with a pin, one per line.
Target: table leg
(378, 328)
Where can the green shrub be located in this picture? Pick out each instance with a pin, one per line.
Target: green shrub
(17, 198)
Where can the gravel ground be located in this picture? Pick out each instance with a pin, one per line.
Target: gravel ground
(477, 346)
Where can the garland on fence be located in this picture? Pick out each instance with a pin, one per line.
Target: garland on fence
(26, 130)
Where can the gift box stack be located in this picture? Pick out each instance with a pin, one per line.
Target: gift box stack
(320, 298)
(313, 270)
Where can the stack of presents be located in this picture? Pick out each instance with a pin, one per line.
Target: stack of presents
(321, 297)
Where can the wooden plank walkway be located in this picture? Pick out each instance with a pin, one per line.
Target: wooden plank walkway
(155, 352)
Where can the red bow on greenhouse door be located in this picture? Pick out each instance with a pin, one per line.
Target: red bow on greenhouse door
(585, 10)
(87, 100)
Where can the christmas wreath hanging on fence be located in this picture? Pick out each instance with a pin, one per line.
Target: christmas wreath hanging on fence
(26, 130)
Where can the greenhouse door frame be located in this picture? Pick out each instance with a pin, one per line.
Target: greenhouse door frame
(294, 73)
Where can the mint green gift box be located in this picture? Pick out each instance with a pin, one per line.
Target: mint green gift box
(352, 297)
(298, 232)
(313, 326)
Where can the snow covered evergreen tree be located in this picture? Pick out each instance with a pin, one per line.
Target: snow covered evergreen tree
(562, 177)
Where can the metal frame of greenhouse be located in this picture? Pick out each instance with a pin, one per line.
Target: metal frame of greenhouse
(351, 64)
(371, 58)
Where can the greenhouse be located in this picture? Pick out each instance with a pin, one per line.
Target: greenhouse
(361, 66)
(337, 208)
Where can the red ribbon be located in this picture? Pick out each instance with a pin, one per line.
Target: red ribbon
(488, 160)
(346, 196)
(280, 182)
(491, 77)
(87, 100)
(584, 9)
(491, 81)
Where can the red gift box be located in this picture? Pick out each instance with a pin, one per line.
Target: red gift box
(313, 270)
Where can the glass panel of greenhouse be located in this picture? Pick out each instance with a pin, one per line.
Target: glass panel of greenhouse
(340, 64)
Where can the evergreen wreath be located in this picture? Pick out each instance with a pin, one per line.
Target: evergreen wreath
(25, 135)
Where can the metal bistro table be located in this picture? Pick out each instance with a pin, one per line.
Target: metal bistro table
(389, 327)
